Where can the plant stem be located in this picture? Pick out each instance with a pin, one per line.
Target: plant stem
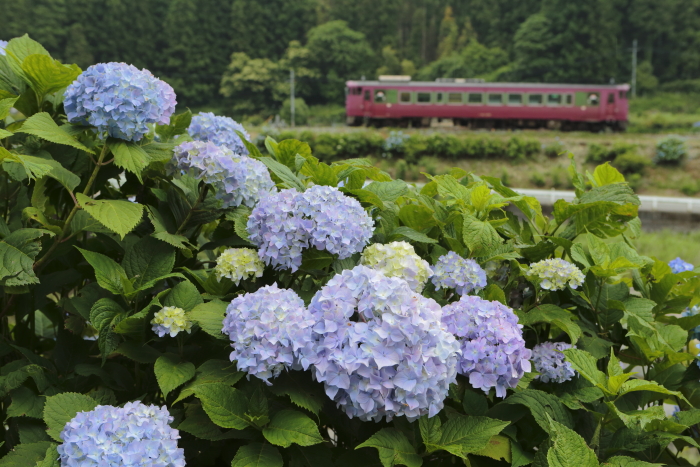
(201, 197)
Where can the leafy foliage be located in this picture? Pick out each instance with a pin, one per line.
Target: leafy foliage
(96, 238)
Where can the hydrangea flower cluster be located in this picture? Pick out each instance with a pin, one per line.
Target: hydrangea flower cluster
(551, 363)
(119, 99)
(454, 272)
(692, 311)
(266, 328)
(238, 264)
(493, 349)
(395, 143)
(398, 259)
(379, 347)
(236, 179)
(285, 223)
(170, 320)
(678, 266)
(554, 273)
(133, 435)
(221, 131)
(3, 44)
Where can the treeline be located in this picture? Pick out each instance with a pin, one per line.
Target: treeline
(236, 54)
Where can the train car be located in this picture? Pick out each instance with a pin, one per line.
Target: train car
(396, 101)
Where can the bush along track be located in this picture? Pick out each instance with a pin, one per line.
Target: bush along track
(172, 295)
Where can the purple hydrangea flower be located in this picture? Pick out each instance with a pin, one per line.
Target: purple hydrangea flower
(236, 179)
(266, 328)
(454, 272)
(133, 435)
(3, 45)
(119, 99)
(221, 131)
(379, 347)
(551, 363)
(678, 266)
(284, 224)
(493, 349)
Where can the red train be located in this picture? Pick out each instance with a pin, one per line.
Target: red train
(397, 101)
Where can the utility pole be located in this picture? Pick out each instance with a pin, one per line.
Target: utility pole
(291, 99)
(634, 68)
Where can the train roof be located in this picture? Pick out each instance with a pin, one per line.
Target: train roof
(441, 84)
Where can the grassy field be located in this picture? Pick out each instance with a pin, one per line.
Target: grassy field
(666, 245)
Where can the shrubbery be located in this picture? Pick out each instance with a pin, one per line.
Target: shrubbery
(167, 301)
(670, 151)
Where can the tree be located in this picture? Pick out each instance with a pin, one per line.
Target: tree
(391, 65)
(253, 85)
(474, 60)
(449, 34)
(78, 49)
(337, 54)
(43, 20)
(533, 48)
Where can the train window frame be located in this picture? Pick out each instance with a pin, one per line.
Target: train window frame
(356, 91)
(519, 95)
(439, 97)
(493, 102)
(451, 95)
(554, 103)
(480, 95)
(568, 99)
(383, 93)
(593, 103)
(535, 104)
(368, 95)
(424, 93)
(611, 98)
(405, 93)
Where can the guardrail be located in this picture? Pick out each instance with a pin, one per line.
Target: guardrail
(649, 203)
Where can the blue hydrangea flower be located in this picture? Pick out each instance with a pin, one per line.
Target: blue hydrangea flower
(692, 311)
(553, 274)
(3, 44)
(493, 349)
(678, 266)
(221, 131)
(379, 347)
(454, 272)
(236, 179)
(284, 224)
(266, 328)
(135, 435)
(551, 363)
(119, 99)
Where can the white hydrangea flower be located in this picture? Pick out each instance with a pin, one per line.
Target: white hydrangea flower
(238, 264)
(398, 259)
(170, 320)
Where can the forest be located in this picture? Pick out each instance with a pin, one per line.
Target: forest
(235, 55)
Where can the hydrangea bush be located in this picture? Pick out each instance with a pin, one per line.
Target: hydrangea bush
(173, 295)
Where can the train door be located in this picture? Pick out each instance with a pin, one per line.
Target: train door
(367, 103)
(384, 99)
(611, 106)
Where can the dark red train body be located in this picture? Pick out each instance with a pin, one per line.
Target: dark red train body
(487, 105)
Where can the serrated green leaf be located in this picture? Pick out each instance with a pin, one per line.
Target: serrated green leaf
(129, 156)
(25, 403)
(290, 426)
(402, 232)
(104, 312)
(51, 458)
(148, 259)
(394, 448)
(5, 105)
(585, 364)
(209, 317)
(606, 174)
(497, 448)
(543, 406)
(624, 461)
(240, 220)
(462, 435)
(225, 405)
(118, 216)
(42, 125)
(257, 455)
(388, 191)
(283, 173)
(568, 448)
(178, 125)
(301, 391)
(197, 423)
(417, 217)
(47, 75)
(430, 429)
(211, 371)
(25, 454)
(109, 274)
(17, 253)
(479, 236)
(61, 408)
(138, 353)
(548, 313)
(171, 372)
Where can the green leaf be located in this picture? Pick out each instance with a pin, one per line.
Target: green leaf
(34, 167)
(158, 152)
(388, 191)
(171, 372)
(257, 455)
(47, 75)
(25, 454)
(624, 461)
(148, 259)
(197, 423)
(287, 177)
(240, 221)
(568, 448)
(313, 259)
(211, 371)
(430, 429)
(178, 125)
(413, 235)
(290, 426)
(225, 405)
(288, 149)
(209, 316)
(109, 274)
(642, 385)
(585, 364)
(302, 392)
(394, 448)
(5, 105)
(479, 236)
(548, 313)
(463, 435)
(104, 312)
(543, 406)
(17, 253)
(365, 196)
(417, 217)
(51, 458)
(138, 353)
(25, 403)
(61, 408)
(499, 447)
(129, 156)
(42, 125)
(118, 216)
(606, 174)
(184, 295)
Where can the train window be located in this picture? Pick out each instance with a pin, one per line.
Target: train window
(439, 97)
(593, 99)
(380, 96)
(423, 97)
(475, 98)
(355, 91)
(534, 99)
(454, 98)
(367, 95)
(611, 98)
(623, 94)
(569, 99)
(553, 99)
(515, 99)
(405, 97)
(495, 98)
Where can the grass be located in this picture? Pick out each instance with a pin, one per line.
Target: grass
(666, 245)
